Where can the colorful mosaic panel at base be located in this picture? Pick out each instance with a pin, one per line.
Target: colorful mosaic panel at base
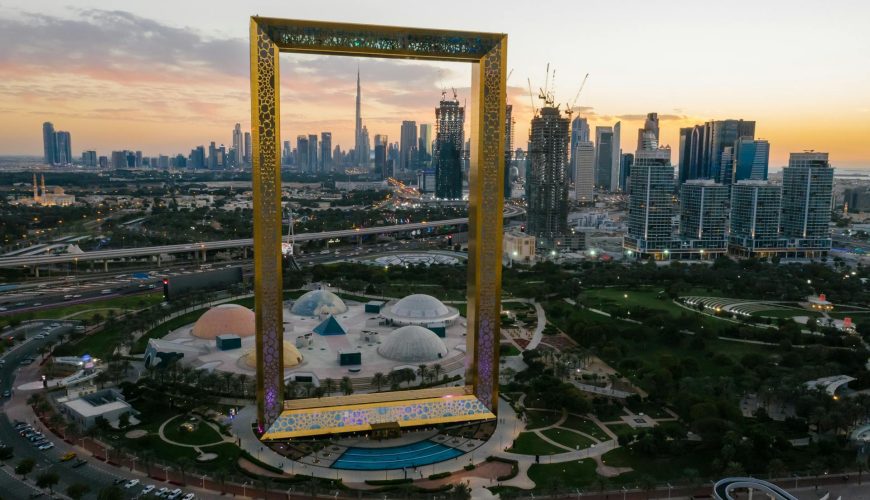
(356, 418)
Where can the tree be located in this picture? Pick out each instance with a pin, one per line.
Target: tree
(328, 386)
(77, 490)
(124, 420)
(47, 480)
(379, 380)
(24, 467)
(346, 386)
(111, 493)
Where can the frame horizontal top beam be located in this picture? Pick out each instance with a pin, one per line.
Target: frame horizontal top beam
(362, 40)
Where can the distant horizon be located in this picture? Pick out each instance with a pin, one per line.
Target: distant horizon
(147, 76)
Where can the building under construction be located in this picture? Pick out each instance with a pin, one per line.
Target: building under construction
(547, 179)
(447, 155)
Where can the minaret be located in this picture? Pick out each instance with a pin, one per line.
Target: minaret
(35, 188)
(357, 146)
(43, 186)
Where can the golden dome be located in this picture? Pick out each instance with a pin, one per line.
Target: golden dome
(292, 357)
(225, 319)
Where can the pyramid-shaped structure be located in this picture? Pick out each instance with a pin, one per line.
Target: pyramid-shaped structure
(330, 326)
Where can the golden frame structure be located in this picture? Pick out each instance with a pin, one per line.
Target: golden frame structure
(487, 53)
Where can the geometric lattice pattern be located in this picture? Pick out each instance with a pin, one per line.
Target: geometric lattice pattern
(487, 52)
(357, 418)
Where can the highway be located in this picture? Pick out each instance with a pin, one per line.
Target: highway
(35, 260)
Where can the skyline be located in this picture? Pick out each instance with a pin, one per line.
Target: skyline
(163, 88)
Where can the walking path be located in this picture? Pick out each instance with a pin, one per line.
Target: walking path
(162, 434)
(539, 330)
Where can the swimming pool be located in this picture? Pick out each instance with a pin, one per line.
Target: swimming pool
(396, 457)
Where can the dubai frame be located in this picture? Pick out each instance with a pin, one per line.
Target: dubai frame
(487, 53)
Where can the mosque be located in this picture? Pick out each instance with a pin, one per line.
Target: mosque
(324, 337)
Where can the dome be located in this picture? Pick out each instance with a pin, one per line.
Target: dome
(413, 344)
(419, 309)
(292, 357)
(317, 302)
(419, 306)
(225, 319)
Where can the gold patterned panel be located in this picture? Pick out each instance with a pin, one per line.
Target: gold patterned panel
(265, 139)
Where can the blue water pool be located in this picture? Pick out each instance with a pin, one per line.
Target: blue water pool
(397, 457)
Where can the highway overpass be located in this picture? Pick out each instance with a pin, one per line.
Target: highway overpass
(724, 487)
(108, 255)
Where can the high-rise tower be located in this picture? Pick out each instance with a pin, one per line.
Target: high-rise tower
(807, 184)
(547, 186)
(449, 140)
(48, 143)
(357, 144)
(407, 145)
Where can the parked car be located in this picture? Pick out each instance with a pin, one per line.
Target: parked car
(47, 446)
(68, 456)
(79, 463)
(129, 484)
(174, 494)
(161, 492)
(189, 496)
(148, 489)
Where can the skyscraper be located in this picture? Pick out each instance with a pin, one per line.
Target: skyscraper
(238, 145)
(579, 131)
(583, 163)
(449, 139)
(248, 151)
(703, 212)
(649, 206)
(426, 138)
(648, 136)
(615, 157)
(311, 166)
(547, 179)
(302, 152)
(603, 156)
(508, 148)
(365, 151)
(358, 123)
(381, 155)
(756, 208)
(326, 151)
(807, 185)
(625, 163)
(286, 154)
(48, 143)
(751, 158)
(701, 149)
(407, 144)
(63, 148)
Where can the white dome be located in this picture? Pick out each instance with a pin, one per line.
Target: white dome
(413, 344)
(419, 306)
(317, 302)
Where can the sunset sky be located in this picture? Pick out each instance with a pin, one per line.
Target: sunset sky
(164, 76)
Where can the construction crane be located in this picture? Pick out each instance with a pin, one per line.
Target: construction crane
(532, 98)
(570, 109)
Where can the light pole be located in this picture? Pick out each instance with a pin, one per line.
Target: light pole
(624, 490)
(669, 491)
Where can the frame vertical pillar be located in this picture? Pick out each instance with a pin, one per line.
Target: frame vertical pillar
(485, 219)
(266, 139)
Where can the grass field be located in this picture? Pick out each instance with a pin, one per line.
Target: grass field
(162, 330)
(528, 443)
(574, 474)
(203, 434)
(539, 418)
(586, 426)
(661, 468)
(127, 302)
(568, 438)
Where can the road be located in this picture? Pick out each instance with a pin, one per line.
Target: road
(33, 260)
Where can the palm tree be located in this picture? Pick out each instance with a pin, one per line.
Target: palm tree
(422, 372)
(437, 370)
(346, 386)
(379, 380)
(328, 386)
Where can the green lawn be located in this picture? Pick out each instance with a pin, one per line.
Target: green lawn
(622, 430)
(541, 418)
(509, 350)
(568, 438)
(574, 474)
(203, 434)
(161, 330)
(663, 468)
(528, 443)
(585, 425)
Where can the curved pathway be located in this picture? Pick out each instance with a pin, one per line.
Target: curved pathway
(160, 432)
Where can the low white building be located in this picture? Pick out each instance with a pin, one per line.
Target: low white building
(518, 247)
(85, 409)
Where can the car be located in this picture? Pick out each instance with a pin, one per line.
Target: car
(79, 463)
(67, 297)
(3, 309)
(118, 480)
(161, 492)
(68, 456)
(35, 437)
(147, 489)
(106, 291)
(47, 446)
(21, 425)
(189, 496)
(174, 494)
(77, 296)
(7, 393)
(26, 361)
(55, 325)
(129, 484)
(37, 304)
